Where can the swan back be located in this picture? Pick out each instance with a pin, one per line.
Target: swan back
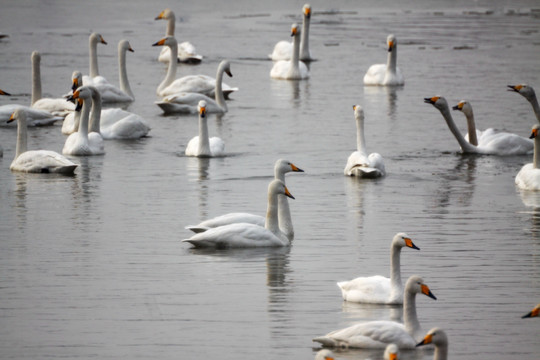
(528, 178)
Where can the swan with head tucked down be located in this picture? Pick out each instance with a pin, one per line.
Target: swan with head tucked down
(244, 235)
(379, 289)
(391, 352)
(500, 142)
(324, 354)
(502, 145)
(386, 74)
(283, 50)
(528, 93)
(359, 163)
(281, 167)
(438, 338)
(292, 69)
(528, 178)
(36, 161)
(535, 312)
(378, 334)
(203, 145)
(186, 51)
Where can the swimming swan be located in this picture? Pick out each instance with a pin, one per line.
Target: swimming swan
(281, 167)
(33, 117)
(36, 161)
(391, 352)
(203, 145)
(324, 354)
(292, 69)
(528, 93)
(528, 178)
(535, 312)
(438, 338)
(386, 74)
(186, 51)
(283, 50)
(378, 334)
(497, 146)
(93, 76)
(379, 289)
(359, 162)
(244, 235)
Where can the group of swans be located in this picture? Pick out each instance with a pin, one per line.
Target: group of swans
(284, 50)
(292, 69)
(386, 74)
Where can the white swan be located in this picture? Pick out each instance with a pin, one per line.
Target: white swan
(391, 352)
(93, 76)
(379, 289)
(33, 117)
(359, 162)
(292, 69)
(244, 235)
(499, 145)
(80, 143)
(283, 50)
(438, 338)
(36, 161)
(56, 106)
(386, 74)
(378, 334)
(528, 93)
(535, 312)
(500, 142)
(71, 121)
(186, 51)
(203, 145)
(324, 354)
(528, 178)
(281, 167)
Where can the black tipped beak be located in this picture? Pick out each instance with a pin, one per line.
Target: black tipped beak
(428, 101)
(289, 195)
(523, 317)
(415, 247)
(9, 120)
(512, 88)
(156, 44)
(455, 108)
(229, 73)
(299, 170)
(423, 342)
(430, 294)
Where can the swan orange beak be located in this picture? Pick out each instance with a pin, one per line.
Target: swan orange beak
(11, 118)
(102, 40)
(294, 30)
(159, 43)
(431, 100)
(426, 291)
(393, 356)
(79, 105)
(410, 244)
(307, 11)
(297, 169)
(534, 133)
(534, 313)
(75, 84)
(390, 45)
(458, 107)
(160, 16)
(2, 92)
(202, 111)
(287, 193)
(427, 340)
(515, 88)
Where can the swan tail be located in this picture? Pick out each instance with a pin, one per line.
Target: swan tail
(329, 342)
(196, 229)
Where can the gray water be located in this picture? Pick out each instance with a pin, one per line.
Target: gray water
(92, 265)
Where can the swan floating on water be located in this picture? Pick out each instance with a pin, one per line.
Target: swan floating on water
(528, 93)
(528, 178)
(438, 338)
(203, 145)
(324, 354)
(292, 69)
(386, 74)
(283, 50)
(186, 51)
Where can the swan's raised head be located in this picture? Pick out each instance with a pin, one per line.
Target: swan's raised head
(534, 132)
(97, 38)
(166, 41)
(295, 30)
(438, 101)
(202, 108)
(36, 56)
(284, 166)
(534, 313)
(524, 90)
(2, 92)
(436, 337)
(80, 95)
(307, 10)
(416, 285)
(166, 14)
(278, 187)
(76, 80)
(391, 41)
(125, 45)
(391, 352)
(226, 66)
(464, 106)
(324, 354)
(403, 240)
(358, 112)
(18, 114)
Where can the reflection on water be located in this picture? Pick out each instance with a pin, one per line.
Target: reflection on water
(365, 312)
(457, 184)
(380, 97)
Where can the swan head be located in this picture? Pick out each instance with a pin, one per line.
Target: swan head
(534, 313)
(391, 352)
(524, 90)
(166, 41)
(278, 187)
(202, 108)
(358, 112)
(283, 166)
(416, 285)
(464, 106)
(534, 132)
(226, 66)
(307, 10)
(124, 45)
(391, 41)
(166, 14)
(97, 38)
(19, 115)
(295, 30)
(76, 80)
(80, 95)
(438, 101)
(325, 354)
(436, 337)
(2, 92)
(403, 240)
(36, 56)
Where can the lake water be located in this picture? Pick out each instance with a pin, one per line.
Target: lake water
(92, 265)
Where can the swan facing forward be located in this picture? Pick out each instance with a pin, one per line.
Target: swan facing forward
(528, 93)
(244, 235)
(533, 313)
(501, 144)
(528, 178)
(36, 161)
(292, 69)
(438, 338)
(379, 289)
(283, 50)
(378, 334)
(386, 74)
(359, 163)
(203, 145)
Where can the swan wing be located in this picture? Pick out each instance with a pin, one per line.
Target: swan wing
(132, 126)
(375, 74)
(282, 51)
(227, 219)
(43, 161)
(503, 143)
(70, 124)
(58, 106)
(34, 117)
(112, 94)
(187, 103)
(217, 146)
(373, 289)
(239, 235)
(528, 178)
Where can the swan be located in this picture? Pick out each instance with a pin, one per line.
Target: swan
(378, 334)
(498, 145)
(528, 93)
(528, 178)
(56, 106)
(438, 338)
(33, 117)
(203, 145)
(283, 50)
(93, 77)
(71, 121)
(292, 69)
(391, 352)
(186, 51)
(281, 167)
(386, 74)
(500, 142)
(36, 161)
(324, 354)
(80, 143)
(379, 289)
(535, 312)
(359, 162)
(244, 235)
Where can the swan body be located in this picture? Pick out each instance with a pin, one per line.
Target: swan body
(379, 289)
(359, 163)
(292, 69)
(244, 235)
(438, 338)
(378, 334)
(498, 144)
(119, 124)
(281, 167)
(324, 354)
(203, 145)
(186, 52)
(283, 50)
(535, 312)
(386, 74)
(202, 84)
(36, 161)
(528, 178)
(34, 117)
(528, 93)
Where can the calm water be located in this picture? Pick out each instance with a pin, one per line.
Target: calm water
(92, 265)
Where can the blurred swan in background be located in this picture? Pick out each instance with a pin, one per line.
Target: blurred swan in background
(186, 51)
(528, 93)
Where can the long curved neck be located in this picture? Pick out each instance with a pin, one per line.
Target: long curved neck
(360, 138)
(536, 156)
(465, 146)
(410, 319)
(284, 217)
(295, 65)
(21, 146)
(219, 96)
(94, 70)
(171, 70)
(36, 80)
(395, 268)
(536, 108)
(272, 222)
(122, 72)
(170, 25)
(204, 141)
(391, 62)
(304, 44)
(471, 127)
(85, 113)
(95, 118)
(441, 352)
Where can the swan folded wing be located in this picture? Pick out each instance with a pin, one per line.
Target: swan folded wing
(111, 94)
(231, 218)
(373, 289)
(188, 53)
(503, 143)
(132, 126)
(241, 235)
(375, 74)
(34, 117)
(43, 161)
(57, 107)
(282, 51)
(528, 178)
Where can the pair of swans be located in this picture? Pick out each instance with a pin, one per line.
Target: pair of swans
(186, 52)
(292, 69)
(284, 50)
(490, 142)
(36, 161)
(386, 74)
(359, 163)
(379, 289)
(203, 145)
(281, 167)
(378, 334)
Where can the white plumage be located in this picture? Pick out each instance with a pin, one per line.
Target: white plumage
(283, 50)
(203, 145)
(528, 178)
(292, 69)
(386, 74)
(186, 52)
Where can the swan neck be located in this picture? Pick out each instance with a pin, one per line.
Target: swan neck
(465, 146)
(360, 138)
(441, 352)
(170, 25)
(536, 156)
(304, 44)
(95, 119)
(171, 70)
(395, 268)
(85, 113)
(284, 217)
(204, 141)
(536, 108)
(21, 146)
(272, 221)
(471, 127)
(36, 80)
(295, 65)
(122, 72)
(391, 62)
(410, 319)
(219, 96)
(94, 70)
